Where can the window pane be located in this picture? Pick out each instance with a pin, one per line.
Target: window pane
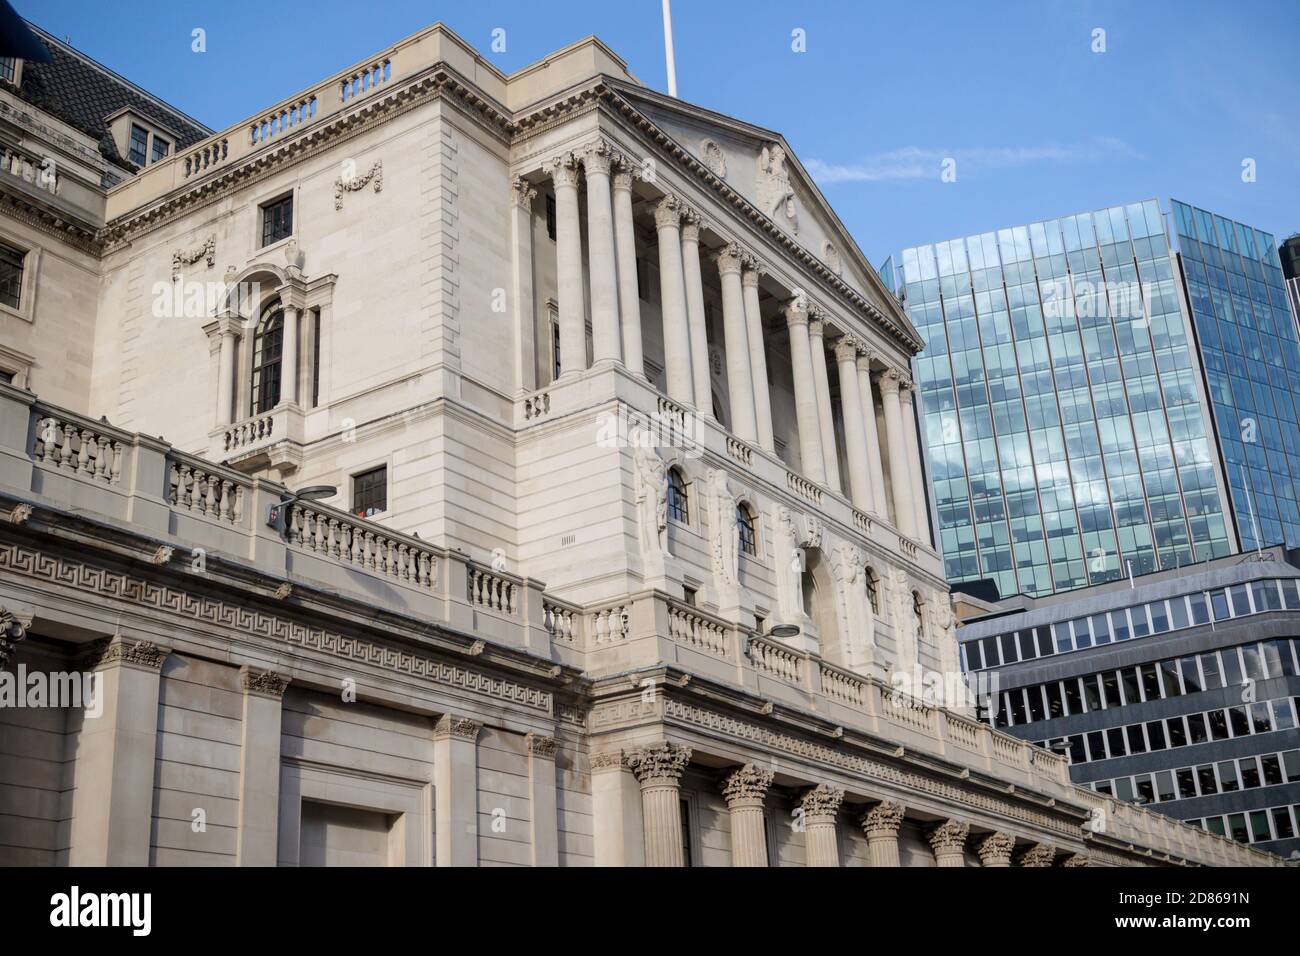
(1156, 734)
(11, 275)
(1177, 732)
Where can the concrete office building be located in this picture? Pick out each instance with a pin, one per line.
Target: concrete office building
(1179, 692)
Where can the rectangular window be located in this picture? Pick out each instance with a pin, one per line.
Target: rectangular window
(160, 149)
(1150, 682)
(1240, 600)
(1205, 777)
(1215, 825)
(1097, 746)
(1137, 743)
(1115, 740)
(1249, 769)
(1110, 682)
(1219, 601)
(1130, 677)
(685, 810)
(1177, 732)
(1035, 698)
(1073, 698)
(1210, 669)
(1092, 691)
(137, 149)
(1186, 783)
(1119, 625)
(1231, 667)
(1077, 752)
(1169, 678)
(1291, 764)
(1165, 786)
(1237, 827)
(555, 348)
(1260, 720)
(1055, 707)
(1196, 730)
(277, 220)
(1218, 724)
(1272, 767)
(370, 492)
(7, 69)
(11, 275)
(550, 217)
(1177, 613)
(315, 359)
(689, 595)
(1200, 611)
(1159, 617)
(1282, 823)
(1259, 831)
(1191, 674)
(1082, 636)
(1124, 789)
(1100, 629)
(1282, 716)
(1228, 781)
(1141, 627)
(1156, 734)
(642, 280)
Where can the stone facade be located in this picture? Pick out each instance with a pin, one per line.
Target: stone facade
(729, 445)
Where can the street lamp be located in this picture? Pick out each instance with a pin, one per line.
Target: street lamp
(276, 513)
(783, 630)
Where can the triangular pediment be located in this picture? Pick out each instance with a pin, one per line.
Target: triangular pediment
(759, 164)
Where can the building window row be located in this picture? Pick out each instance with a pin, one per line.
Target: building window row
(1223, 723)
(1254, 827)
(1204, 780)
(1157, 680)
(1142, 620)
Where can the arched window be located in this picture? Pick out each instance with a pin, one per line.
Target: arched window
(748, 535)
(872, 581)
(678, 506)
(268, 347)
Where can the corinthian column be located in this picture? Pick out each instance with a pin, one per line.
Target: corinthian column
(948, 840)
(995, 849)
(881, 827)
(289, 356)
(699, 332)
(521, 280)
(744, 791)
(905, 396)
(757, 357)
(672, 289)
(1038, 855)
(629, 295)
(900, 475)
(821, 380)
(659, 771)
(821, 805)
(855, 434)
(740, 387)
(874, 458)
(600, 251)
(805, 391)
(568, 267)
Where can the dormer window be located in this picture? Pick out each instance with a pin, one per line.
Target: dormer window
(138, 149)
(9, 70)
(161, 148)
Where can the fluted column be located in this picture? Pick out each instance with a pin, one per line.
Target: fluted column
(821, 806)
(995, 849)
(874, 458)
(605, 345)
(289, 357)
(699, 332)
(740, 386)
(629, 296)
(948, 840)
(1038, 855)
(905, 398)
(672, 289)
(744, 790)
(855, 434)
(900, 475)
(568, 267)
(881, 825)
(757, 356)
(805, 391)
(226, 376)
(822, 382)
(659, 772)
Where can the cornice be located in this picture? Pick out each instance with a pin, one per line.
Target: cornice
(26, 209)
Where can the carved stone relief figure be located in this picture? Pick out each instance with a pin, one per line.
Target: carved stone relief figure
(652, 505)
(775, 194)
(714, 158)
(856, 624)
(789, 567)
(724, 533)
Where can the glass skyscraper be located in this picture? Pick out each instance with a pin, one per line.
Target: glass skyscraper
(1251, 355)
(1068, 431)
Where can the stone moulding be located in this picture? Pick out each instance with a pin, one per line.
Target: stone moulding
(183, 257)
(354, 184)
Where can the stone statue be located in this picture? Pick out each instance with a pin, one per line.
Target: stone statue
(725, 536)
(775, 194)
(789, 566)
(652, 502)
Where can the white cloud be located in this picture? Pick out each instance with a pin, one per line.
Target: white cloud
(919, 162)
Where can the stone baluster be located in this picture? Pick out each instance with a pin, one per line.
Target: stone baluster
(744, 790)
(659, 771)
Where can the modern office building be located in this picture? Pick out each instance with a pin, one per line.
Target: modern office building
(1289, 253)
(1178, 691)
(1105, 394)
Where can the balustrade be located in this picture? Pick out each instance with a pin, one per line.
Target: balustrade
(79, 447)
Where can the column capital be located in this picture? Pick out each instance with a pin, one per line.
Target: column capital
(753, 268)
(564, 170)
(668, 213)
(13, 628)
(623, 179)
(663, 764)
(263, 683)
(690, 226)
(523, 192)
(891, 380)
(866, 354)
(1076, 859)
(610, 760)
(883, 820)
(461, 728)
(540, 746)
(949, 837)
(995, 849)
(816, 324)
(746, 785)
(730, 259)
(822, 802)
(906, 390)
(597, 159)
(846, 349)
(1038, 855)
(118, 650)
(796, 311)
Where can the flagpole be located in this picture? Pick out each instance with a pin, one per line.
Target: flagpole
(668, 49)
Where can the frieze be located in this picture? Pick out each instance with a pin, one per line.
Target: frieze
(266, 683)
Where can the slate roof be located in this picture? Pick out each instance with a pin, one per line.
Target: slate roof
(84, 93)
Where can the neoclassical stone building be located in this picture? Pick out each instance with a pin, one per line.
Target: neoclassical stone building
(627, 560)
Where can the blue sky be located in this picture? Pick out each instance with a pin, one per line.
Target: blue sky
(1038, 123)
